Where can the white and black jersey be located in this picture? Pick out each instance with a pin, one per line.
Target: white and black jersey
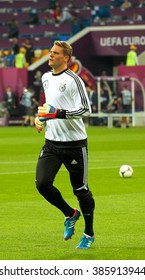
(66, 91)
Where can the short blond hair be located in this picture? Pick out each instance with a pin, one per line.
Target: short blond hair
(67, 48)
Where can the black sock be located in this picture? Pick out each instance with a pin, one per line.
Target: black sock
(88, 224)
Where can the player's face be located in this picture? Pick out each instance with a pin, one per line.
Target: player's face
(57, 60)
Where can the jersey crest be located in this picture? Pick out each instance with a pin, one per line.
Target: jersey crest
(45, 85)
(62, 87)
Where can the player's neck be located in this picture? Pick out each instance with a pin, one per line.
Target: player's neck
(59, 69)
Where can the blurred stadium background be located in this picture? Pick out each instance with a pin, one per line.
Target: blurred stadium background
(100, 32)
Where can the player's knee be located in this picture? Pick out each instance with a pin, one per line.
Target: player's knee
(42, 185)
(86, 200)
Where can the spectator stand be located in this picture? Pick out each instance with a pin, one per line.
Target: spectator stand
(103, 13)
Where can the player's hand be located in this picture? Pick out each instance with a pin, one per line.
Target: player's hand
(38, 124)
(47, 112)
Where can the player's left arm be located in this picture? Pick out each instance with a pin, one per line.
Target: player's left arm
(47, 112)
(81, 107)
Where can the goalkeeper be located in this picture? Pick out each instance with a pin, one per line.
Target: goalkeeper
(65, 141)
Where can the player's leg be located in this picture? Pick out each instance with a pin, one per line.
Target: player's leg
(78, 177)
(26, 120)
(48, 165)
(77, 164)
(127, 121)
(120, 121)
(128, 110)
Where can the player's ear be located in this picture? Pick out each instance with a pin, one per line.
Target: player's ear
(67, 58)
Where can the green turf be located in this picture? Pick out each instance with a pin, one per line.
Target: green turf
(32, 229)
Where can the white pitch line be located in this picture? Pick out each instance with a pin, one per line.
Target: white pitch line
(16, 162)
(94, 160)
(64, 170)
(16, 172)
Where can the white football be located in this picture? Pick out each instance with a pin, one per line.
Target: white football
(125, 171)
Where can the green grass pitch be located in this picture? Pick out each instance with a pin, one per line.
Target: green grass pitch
(32, 229)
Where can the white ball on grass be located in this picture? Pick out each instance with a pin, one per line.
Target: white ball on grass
(126, 171)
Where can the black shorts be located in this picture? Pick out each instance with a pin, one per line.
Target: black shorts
(126, 108)
(73, 155)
